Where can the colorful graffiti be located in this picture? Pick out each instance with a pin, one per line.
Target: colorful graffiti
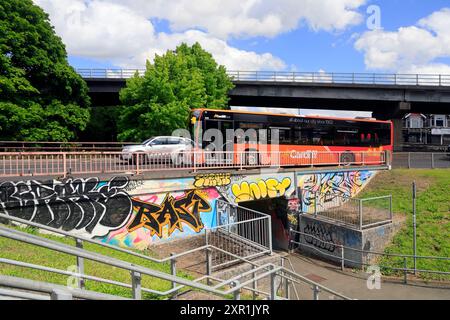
(235, 188)
(212, 180)
(167, 216)
(172, 212)
(270, 188)
(137, 213)
(319, 189)
(86, 206)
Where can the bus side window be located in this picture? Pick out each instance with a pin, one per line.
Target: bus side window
(297, 137)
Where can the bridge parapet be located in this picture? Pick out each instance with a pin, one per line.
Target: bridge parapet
(297, 77)
(15, 164)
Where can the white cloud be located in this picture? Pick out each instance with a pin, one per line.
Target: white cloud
(231, 57)
(249, 18)
(412, 49)
(98, 29)
(121, 31)
(110, 31)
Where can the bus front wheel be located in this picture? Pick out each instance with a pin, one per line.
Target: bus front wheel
(251, 158)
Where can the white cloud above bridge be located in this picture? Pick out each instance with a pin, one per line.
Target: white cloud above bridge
(122, 31)
(411, 49)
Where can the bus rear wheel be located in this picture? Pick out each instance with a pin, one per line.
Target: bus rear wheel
(347, 159)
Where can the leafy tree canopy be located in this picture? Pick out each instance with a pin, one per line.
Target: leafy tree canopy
(41, 96)
(176, 82)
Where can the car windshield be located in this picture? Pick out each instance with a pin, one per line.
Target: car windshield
(148, 140)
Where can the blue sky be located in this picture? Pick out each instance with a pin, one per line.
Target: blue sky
(311, 51)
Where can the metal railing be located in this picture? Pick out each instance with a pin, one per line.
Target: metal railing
(68, 163)
(223, 288)
(359, 213)
(47, 291)
(301, 77)
(368, 256)
(109, 73)
(243, 232)
(46, 146)
(421, 160)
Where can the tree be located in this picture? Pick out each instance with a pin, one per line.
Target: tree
(41, 96)
(103, 124)
(178, 81)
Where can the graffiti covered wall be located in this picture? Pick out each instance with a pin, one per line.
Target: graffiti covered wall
(324, 239)
(166, 216)
(138, 213)
(331, 184)
(83, 206)
(114, 211)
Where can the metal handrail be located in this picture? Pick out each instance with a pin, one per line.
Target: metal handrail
(343, 259)
(50, 244)
(33, 239)
(50, 146)
(113, 247)
(65, 163)
(138, 270)
(292, 269)
(329, 213)
(172, 258)
(49, 288)
(305, 77)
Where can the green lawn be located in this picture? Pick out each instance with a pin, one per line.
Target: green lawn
(433, 215)
(16, 250)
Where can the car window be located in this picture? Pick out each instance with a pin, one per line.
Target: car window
(175, 141)
(159, 141)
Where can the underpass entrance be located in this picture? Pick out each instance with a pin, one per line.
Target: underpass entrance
(277, 208)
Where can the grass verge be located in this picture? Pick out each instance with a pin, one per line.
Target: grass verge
(433, 216)
(16, 250)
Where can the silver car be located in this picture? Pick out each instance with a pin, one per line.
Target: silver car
(163, 148)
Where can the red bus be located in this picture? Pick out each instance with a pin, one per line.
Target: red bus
(299, 139)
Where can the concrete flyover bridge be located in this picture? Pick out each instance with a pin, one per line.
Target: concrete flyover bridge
(383, 94)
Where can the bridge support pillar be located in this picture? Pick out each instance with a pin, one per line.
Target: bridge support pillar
(398, 134)
(404, 107)
(396, 113)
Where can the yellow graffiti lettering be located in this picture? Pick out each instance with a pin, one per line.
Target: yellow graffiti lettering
(271, 188)
(241, 192)
(212, 180)
(263, 187)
